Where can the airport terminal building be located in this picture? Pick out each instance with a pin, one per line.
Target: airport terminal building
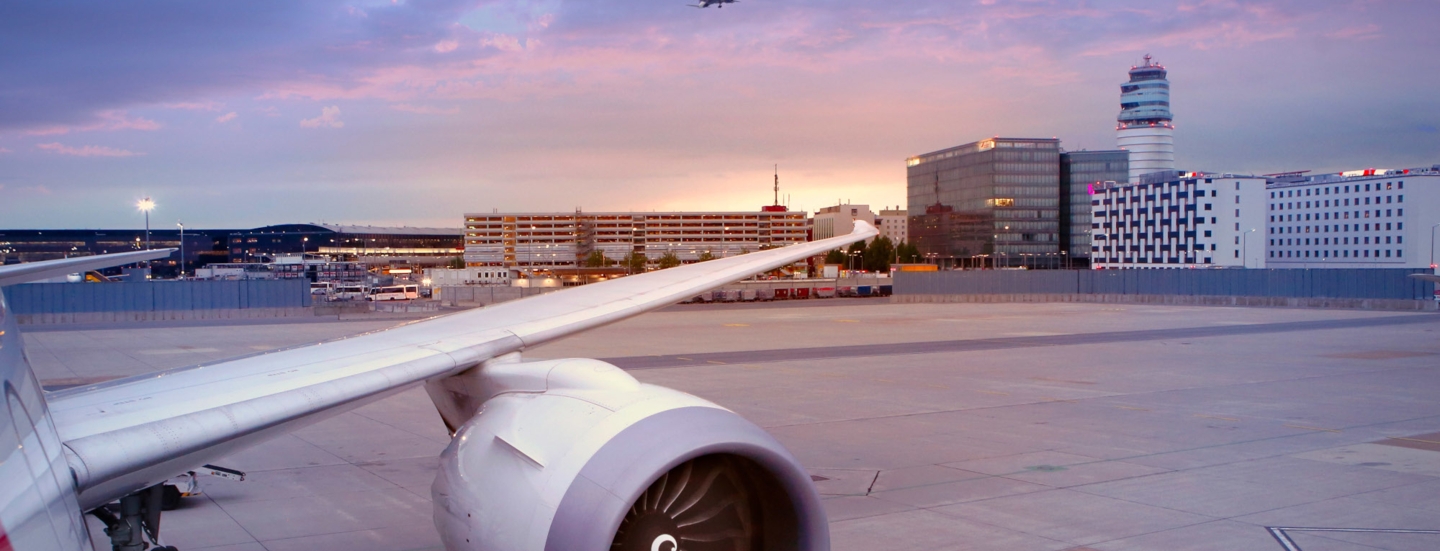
(551, 240)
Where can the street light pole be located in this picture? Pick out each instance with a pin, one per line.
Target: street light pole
(146, 205)
(182, 248)
(1432, 245)
(1245, 249)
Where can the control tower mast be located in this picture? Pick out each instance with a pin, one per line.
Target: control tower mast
(1144, 126)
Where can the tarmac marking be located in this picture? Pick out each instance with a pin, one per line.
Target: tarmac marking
(1304, 427)
(848, 321)
(1203, 416)
(1012, 343)
(933, 385)
(995, 392)
(1054, 399)
(1412, 440)
(737, 325)
(715, 362)
(883, 380)
(1054, 380)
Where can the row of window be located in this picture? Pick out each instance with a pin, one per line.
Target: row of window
(1152, 260)
(1307, 192)
(1343, 253)
(1342, 215)
(1338, 202)
(1150, 248)
(1166, 196)
(1152, 235)
(1298, 242)
(1327, 228)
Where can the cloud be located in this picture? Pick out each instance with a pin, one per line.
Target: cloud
(195, 105)
(107, 120)
(425, 109)
(268, 110)
(86, 150)
(6, 150)
(446, 46)
(226, 117)
(1359, 32)
(329, 116)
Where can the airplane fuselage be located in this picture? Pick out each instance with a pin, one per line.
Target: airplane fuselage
(38, 508)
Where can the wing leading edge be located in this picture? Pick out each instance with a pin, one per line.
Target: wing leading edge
(32, 271)
(132, 433)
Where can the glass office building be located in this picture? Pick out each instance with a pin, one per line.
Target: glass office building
(1081, 173)
(994, 202)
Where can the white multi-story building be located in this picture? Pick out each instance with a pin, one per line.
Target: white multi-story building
(548, 240)
(893, 224)
(839, 220)
(1358, 219)
(1179, 220)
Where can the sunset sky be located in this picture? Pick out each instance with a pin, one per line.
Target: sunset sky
(242, 114)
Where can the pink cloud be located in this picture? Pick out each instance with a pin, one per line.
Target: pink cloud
(6, 150)
(1359, 32)
(222, 119)
(329, 116)
(446, 46)
(424, 109)
(86, 150)
(109, 120)
(195, 106)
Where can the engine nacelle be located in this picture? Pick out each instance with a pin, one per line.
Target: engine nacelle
(576, 455)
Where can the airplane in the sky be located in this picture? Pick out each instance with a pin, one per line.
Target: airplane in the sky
(708, 3)
(570, 454)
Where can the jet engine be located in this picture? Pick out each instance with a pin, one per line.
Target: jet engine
(576, 455)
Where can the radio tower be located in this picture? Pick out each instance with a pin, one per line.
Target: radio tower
(1145, 128)
(776, 206)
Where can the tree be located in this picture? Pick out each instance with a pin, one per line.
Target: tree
(908, 253)
(596, 259)
(835, 257)
(705, 256)
(636, 262)
(669, 260)
(457, 262)
(878, 254)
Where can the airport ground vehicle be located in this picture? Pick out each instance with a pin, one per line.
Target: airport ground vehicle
(395, 292)
(352, 291)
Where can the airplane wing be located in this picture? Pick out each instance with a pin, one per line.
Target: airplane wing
(129, 434)
(32, 271)
(1427, 277)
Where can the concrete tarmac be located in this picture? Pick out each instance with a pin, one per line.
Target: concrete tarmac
(926, 426)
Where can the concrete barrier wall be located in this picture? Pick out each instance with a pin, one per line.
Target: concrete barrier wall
(481, 295)
(1388, 284)
(157, 296)
(1179, 300)
(161, 315)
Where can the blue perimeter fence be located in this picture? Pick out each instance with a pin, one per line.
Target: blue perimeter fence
(150, 296)
(1380, 283)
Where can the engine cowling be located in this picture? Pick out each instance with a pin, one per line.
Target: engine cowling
(576, 455)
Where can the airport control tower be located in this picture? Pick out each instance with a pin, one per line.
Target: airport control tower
(1145, 128)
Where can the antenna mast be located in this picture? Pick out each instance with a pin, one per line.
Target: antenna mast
(777, 184)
